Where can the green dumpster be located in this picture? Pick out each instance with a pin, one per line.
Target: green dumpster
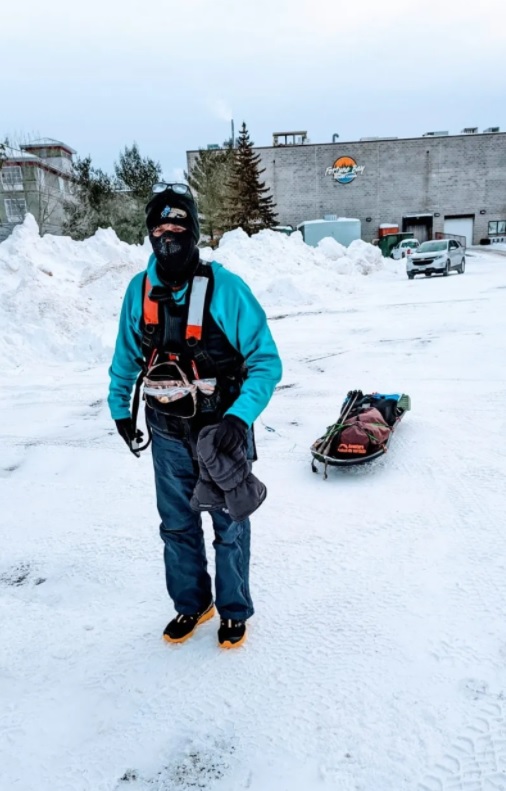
(387, 243)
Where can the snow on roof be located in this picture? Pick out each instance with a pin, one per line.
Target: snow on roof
(339, 219)
(389, 225)
(42, 142)
(17, 154)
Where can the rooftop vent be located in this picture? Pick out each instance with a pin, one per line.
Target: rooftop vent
(470, 130)
(436, 134)
(492, 130)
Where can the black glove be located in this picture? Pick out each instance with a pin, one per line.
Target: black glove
(230, 434)
(127, 431)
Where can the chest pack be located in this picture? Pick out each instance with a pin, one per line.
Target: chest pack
(189, 368)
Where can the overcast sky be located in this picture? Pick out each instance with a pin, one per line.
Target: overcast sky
(100, 74)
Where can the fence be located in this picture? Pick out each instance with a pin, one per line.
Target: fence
(461, 239)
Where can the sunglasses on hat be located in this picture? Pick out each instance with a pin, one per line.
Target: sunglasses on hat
(179, 189)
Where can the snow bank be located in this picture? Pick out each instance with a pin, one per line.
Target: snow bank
(60, 299)
(359, 258)
(283, 270)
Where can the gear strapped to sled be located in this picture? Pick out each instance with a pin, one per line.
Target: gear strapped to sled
(179, 377)
(363, 430)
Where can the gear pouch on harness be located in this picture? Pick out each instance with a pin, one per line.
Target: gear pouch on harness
(168, 390)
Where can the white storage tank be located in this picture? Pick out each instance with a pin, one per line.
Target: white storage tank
(343, 229)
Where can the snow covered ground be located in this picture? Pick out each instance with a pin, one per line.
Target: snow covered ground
(377, 657)
(501, 246)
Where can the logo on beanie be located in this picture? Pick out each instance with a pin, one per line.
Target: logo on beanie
(173, 214)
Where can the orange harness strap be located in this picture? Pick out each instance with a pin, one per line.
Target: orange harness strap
(149, 307)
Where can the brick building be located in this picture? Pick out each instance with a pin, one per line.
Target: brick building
(438, 182)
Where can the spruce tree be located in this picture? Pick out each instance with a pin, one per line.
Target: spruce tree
(136, 173)
(101, 201)
(249, 205)
(91, 205)
(208, 179)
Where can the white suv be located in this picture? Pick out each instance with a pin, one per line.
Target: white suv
(437, 257)
(404, 248)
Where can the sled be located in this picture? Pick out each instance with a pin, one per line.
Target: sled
(328, 450)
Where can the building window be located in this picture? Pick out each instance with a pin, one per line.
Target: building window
(496, 226)
(12, 176)
(42, 179)
(15, 209)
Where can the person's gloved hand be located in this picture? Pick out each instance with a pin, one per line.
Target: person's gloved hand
(131, 435)
(230, 434)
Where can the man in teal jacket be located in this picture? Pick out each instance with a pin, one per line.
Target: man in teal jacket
(233, 348)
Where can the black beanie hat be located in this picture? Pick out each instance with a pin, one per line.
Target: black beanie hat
(163, 207)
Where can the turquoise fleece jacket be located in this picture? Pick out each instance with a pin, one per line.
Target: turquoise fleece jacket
(236, 312)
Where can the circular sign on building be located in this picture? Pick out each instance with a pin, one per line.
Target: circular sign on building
(344, 170)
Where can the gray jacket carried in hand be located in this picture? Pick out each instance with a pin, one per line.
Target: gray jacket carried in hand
(225, 480)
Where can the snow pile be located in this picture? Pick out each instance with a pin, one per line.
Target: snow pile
(60, 299)
(359, 258)
(284, 270)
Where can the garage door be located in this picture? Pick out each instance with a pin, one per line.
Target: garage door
(418, 230)
(460, 226)
(418, 225)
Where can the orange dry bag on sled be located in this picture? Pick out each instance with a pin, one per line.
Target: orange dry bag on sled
(362, 431)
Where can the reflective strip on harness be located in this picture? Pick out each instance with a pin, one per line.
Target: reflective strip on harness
(196, 308)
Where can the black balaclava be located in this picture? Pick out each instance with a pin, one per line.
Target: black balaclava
(177, 254)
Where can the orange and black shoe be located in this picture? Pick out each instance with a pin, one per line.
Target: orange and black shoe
(183, 626)
(231, 634)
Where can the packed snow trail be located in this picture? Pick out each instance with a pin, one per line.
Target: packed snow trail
(376, 659)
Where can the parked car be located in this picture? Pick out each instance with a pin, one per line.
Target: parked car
(404, 248)
(437, 257)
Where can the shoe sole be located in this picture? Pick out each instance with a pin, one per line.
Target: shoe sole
(206, 616)
(227, 644)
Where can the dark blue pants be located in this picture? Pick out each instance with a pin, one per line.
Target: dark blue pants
(188, 581)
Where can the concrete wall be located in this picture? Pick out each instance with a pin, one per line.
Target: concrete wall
(458, 175)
